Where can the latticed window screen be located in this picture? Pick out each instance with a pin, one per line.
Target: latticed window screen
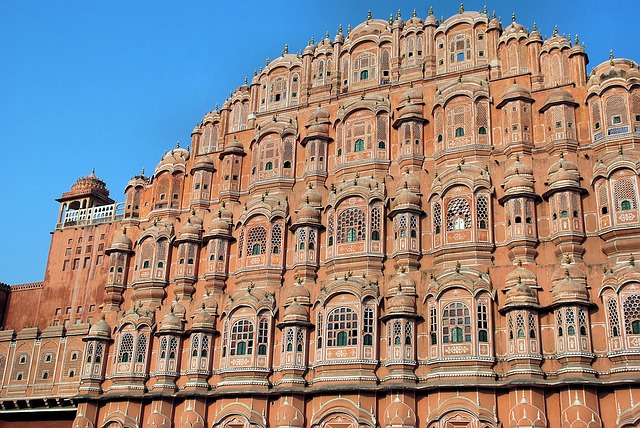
(141, 348)
(276, 239)
(342, 327)
(596, 118)
(613, 316)
(173, 347)
(624, 190)
(375, 221)
(205, 346)
(382, 123)
(520, 330)
(483, 322)
(437, 217)
(126, 348)
(287, 344)
(240, 242)
(195, 346)
(257, 236)
(458, 214)
(570, 318)
(631, 308)
(483, 212)
(351, 218)
(615, 106)
(456, 323)
(241, 338)
(299, 340)
(408, 332)
(532, 325)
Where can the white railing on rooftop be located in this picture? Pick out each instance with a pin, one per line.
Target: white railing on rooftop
(94, 215)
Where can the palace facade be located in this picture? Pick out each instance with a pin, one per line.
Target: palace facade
(413, 224)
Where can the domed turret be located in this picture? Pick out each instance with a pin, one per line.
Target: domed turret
(233, 147)
(174, 160)
(171, 323)
(99, 331)
(191, 230)
(569, 286)
(202, 320)
(312, 197)
(204, 163)
(295, 312)
(121, 243)
(563, 173)
(398, 414)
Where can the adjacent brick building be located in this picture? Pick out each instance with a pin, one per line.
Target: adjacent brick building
(413, 224)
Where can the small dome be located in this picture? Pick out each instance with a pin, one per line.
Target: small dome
(520, 275)
(558, 96)
(521, 295)
(515, 92)
(191, 229)
(233, 147)
(176, 158)
(563, 172)
(296, 312)
(308, 214)
(121, 243)
(299, 293)
(90, 182)
(410, 182)
(569, 286)
(413, 94)
(518, 168)
(219, 226)
(202, 320)
(313, 197)
(401, 282)
(405, 199)
(100, 330)
(401, 303)
(171, 323)
(518, 182)
(319, 115)
(204, 162)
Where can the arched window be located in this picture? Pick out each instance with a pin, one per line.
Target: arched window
(255, 250)
(382, 145)
(482, 130)
(625, 205)
(483, 323)
(268, 166)
(375, 235)
(286, 164)
(126, 348)
(460, 132)
(358, 146)
(342, 327)
(263, 336)
(458, 214)
(631, 308)
(241, 338)
(364, 74)
(351, 235)
(141, 348)
(456, 323)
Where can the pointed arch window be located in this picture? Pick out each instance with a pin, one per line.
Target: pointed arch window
(241, 338)
(342, 327)
(358, 146)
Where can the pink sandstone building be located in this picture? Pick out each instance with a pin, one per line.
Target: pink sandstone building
(417, 223)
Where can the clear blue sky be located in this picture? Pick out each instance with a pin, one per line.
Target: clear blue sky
(110, 85)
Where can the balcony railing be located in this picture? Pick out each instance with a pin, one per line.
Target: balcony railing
(94, 215)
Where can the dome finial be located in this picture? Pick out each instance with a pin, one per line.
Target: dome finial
(326, 35)
(513, 17)
(178, 145)
(340, 29)
(555, 30)
(398, 14)
(369, 15)
(577, 41)
(348, 30)
(414, 13)
(286, 48)
(484, 9)
(246, 80)
(535, 27)
(611, 56)
(390, 18)
(461, 8)
(430, 10)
